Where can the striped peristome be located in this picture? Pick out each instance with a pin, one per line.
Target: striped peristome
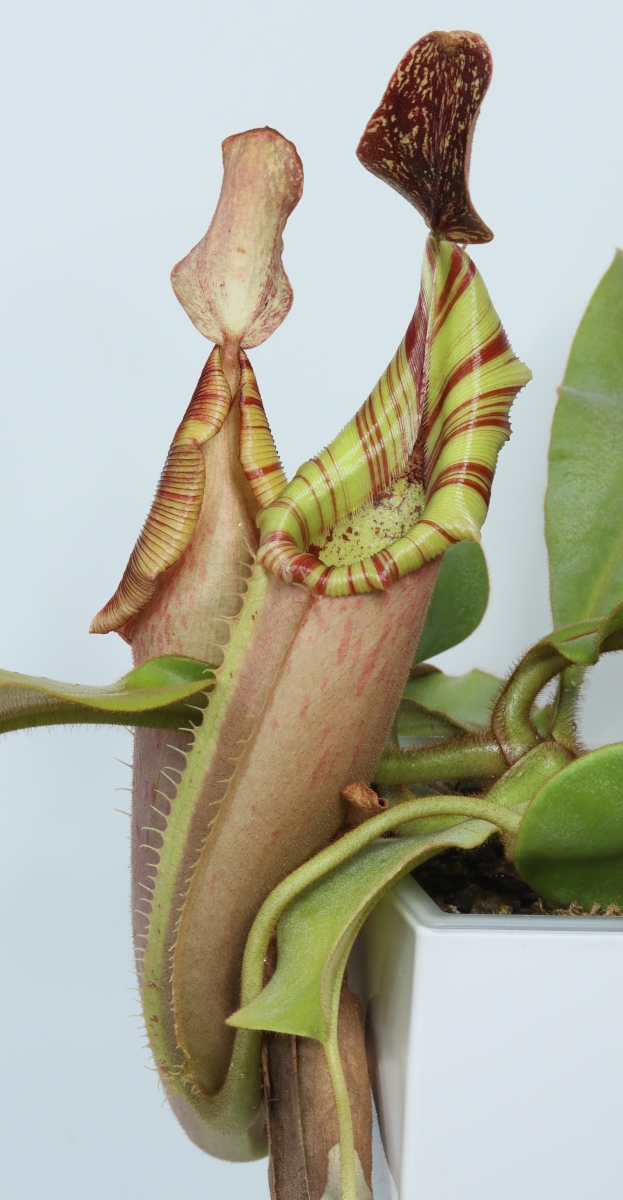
(174, 514)
(443, 404)
(258, 454)
(363, 460)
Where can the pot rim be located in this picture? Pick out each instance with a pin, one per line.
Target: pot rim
(420, 906)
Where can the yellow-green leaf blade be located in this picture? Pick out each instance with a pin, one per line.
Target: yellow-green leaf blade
(155, 694)
(570, 844)
(317, 930)
(583, 642)
(467, 700)
(583, 514)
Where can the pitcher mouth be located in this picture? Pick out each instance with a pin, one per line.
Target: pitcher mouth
(386, 519)
(411, 473)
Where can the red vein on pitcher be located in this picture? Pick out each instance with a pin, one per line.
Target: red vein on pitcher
(447, 395)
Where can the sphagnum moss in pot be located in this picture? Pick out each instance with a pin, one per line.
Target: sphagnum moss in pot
(275, 627)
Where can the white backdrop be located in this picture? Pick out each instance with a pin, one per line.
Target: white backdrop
(112, 121)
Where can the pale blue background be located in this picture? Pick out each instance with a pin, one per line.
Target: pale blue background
(112, 118)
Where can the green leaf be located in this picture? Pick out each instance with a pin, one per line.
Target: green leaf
(459, 600)
(414, 721)
(579, 643)
(465, 700)
(582, 645)
(438, 705)
(317, 930)
(160, 693)
(318, 910)
(583, 642)
(329, 897)
(583, 511)
(570, 843)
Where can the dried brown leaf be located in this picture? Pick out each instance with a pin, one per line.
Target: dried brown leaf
(301, 1114)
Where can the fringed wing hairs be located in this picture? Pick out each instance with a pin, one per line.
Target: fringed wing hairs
(452, 381)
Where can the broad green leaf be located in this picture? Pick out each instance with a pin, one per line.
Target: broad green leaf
(465, 700)
(459, 600)
(438, 705)
(160, 694)
(317, 930)
(570, 843)
(413, 721)
(583, 511)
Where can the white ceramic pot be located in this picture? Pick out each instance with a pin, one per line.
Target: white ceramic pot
(497, 1047)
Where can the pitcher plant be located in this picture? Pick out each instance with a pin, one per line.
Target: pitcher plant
(273, 626)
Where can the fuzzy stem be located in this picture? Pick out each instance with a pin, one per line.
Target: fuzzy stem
(511, 716)
(466, 807)
(462, 758)
(563, 725)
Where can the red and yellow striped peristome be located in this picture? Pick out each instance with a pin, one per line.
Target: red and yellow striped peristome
(408, 476)
(436, 419)
(173, 517)
(258, 454)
